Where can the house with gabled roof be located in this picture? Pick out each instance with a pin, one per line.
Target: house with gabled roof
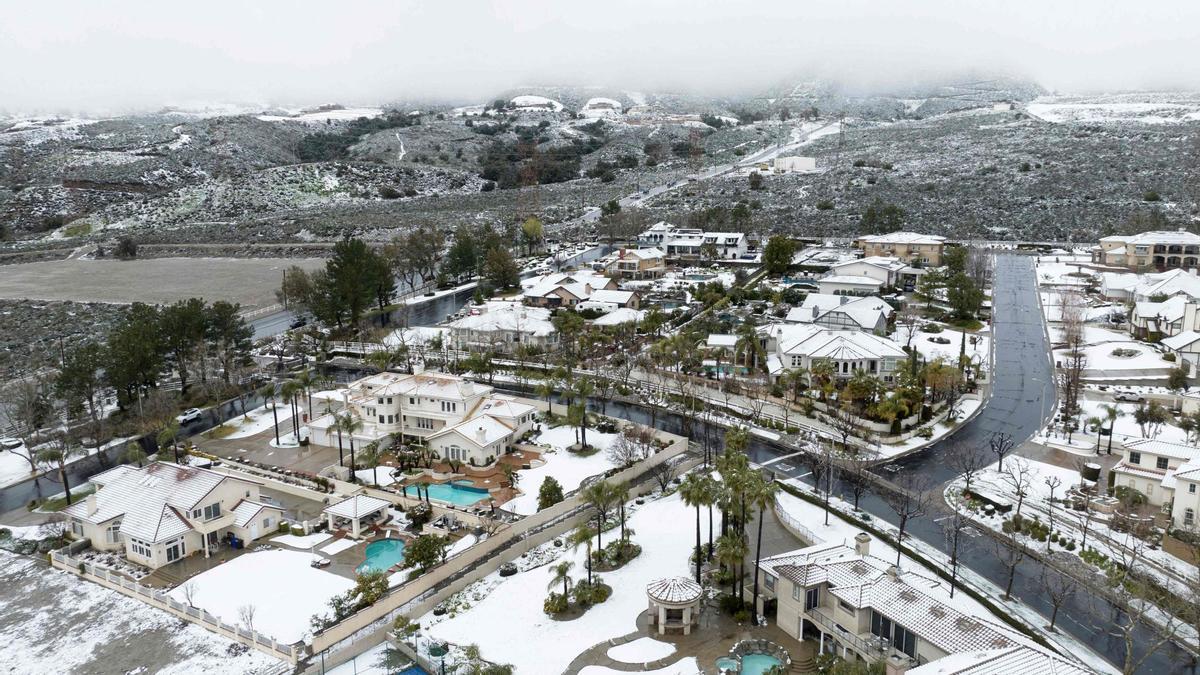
(800, 345)
(860, 607)
(1166, 473)
(843, 312)
(163, 512)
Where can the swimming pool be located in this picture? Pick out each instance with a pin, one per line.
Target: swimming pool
(459, 493)
(382, 554)
(757, 664)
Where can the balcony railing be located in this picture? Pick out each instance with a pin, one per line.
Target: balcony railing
(872, 647)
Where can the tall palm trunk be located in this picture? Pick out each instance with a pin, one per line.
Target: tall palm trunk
(353, 478)
(757, 560)
(275, 416)
(698, 554)
(710, 532)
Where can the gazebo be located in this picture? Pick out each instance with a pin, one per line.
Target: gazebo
(674, 603)
(358, 511)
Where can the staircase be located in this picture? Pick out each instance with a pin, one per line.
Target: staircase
(803, 667)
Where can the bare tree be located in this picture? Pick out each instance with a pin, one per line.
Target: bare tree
(845, 424)
(1070, 375)
(908, 499)
(966, 461)
(189, 594)
(665, 472)
(1058, 588)
(246, 616)
(1001, 444)
(856, 475)
(1018, 477)
(908, 318)
(952, 528)
(634, 444)
(1052, 482)
(1010, 551)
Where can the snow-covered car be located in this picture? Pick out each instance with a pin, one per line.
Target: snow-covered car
(10, 443)
(189, 415)
(1128, 396)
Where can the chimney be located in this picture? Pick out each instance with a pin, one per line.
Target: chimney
(845, 299)
(816, 312)
(862, 544)
(480, 434)
(893, 571)
(91, 504)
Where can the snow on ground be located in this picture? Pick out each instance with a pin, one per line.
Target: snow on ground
(536, 102)
(966, 408)
(462, 545)
(338, 546)
(1064, 270)
(322, 116)
(366, 663)
(813, 517)
(684, 666)
(281, 585)
(14, 464)
(307, 541)
(369, 476)
(1139, 108)
(977, 352)
(54, 622)
(1102, 365)
(1124, 426)
(512, 609)
(567, 468)
(259, 420)
(641, 650)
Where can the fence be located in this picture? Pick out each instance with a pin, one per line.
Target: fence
(292, 653)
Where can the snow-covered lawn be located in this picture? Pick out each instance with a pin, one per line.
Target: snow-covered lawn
(509, 625)
(54, 622)
(338, 546)
(366, 663)
(641, 650)
(14, 465)
(567, 468)
(369, 476)
(684, 666)
(978, 352)
(1144, 362)
(260, 419)
(966, 407)
(281, 586)
(307, 541)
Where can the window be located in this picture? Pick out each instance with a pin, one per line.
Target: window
(76, 528)
(1160, 462)
(770, 582)
(1191, 488)
(846, 607)
(449, 406)
(140, 548)
(380, 401)
(268, 523)
(381, 419)
(412, 400)
(212, 511)
(901, 638)
(423, 423)
(391, 419)
(389, 400)
(113, 534)
(1189, 516)
(175, 550)
(1135, 458)
(812, 598)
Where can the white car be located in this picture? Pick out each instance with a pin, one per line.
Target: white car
(1128, 396)
(189, 415)
(10, 443)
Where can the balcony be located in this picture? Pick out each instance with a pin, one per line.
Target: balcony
(869, 646)
(205, 526)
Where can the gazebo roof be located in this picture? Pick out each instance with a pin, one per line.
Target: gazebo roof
(674, 590)
(357, 506)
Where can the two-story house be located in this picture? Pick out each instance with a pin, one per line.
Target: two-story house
(1168, 474)
(163, 512)
(1157, 250)
(501, 326)
(908, 246)
(801, 345)
(564, 289)
(637, 263)
(843, 312)
(862, 608)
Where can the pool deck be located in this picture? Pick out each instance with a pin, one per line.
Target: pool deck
(711, 640)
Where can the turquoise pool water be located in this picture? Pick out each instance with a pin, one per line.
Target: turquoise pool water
(382, 554)
(725, 663)
(459, 493)
(757, 664)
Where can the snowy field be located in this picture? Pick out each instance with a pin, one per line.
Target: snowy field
(281, 586)
(307, 541)
(567, 468)
(260, 419)
(512, 610)
(1139, 108)
(54, 622)
(978, 352)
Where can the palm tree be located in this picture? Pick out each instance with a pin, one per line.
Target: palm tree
(134, 453)
(546, 388)
(350, 424)
(731, 552)
(561, 575)
(582, 389)
(58, 453)
(711, 494)
(1111, 413)
(582, 536)
(372, 457)
(695, 493)
(620, 495)
(762, 494)
(822, 373)
(170, 436)
(267, 392)
(287, 391)
(304, 384)
(1094, 422)
(600, 497)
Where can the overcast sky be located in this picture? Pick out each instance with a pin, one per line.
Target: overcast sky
(82, 55)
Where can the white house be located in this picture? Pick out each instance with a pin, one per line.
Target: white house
(564, 289)
(887, 271)
(843, 312)
(839, 284)
(444, 410)
(499, 326)
(163, 512)
(1168, 474)
(1177, 314)
(858, 606)
(1186, 348)
(801, 345)
(692, 243)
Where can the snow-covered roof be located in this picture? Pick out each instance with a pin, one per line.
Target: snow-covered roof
(357, 506)
(674, 590)
(536, 102)
(882, 262)
(1169, 283)
(496, 315)
(850, 280)
(1019, 659)
(816, 342)
(642, 253)
(246, 510)
(153, 501)
(611, 296)
(1153, 446)
(716, 340)
(1182, 341)
(902, 238)
(581, 284)
(1171, 309)
(434, 385)
(482, 431)
(619, 316)
(865, 312)
(1166, 237)
(502, 405)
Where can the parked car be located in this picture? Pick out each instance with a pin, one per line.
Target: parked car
(10, 443)
(298, 322)
(189, 415)
(1129, 397)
